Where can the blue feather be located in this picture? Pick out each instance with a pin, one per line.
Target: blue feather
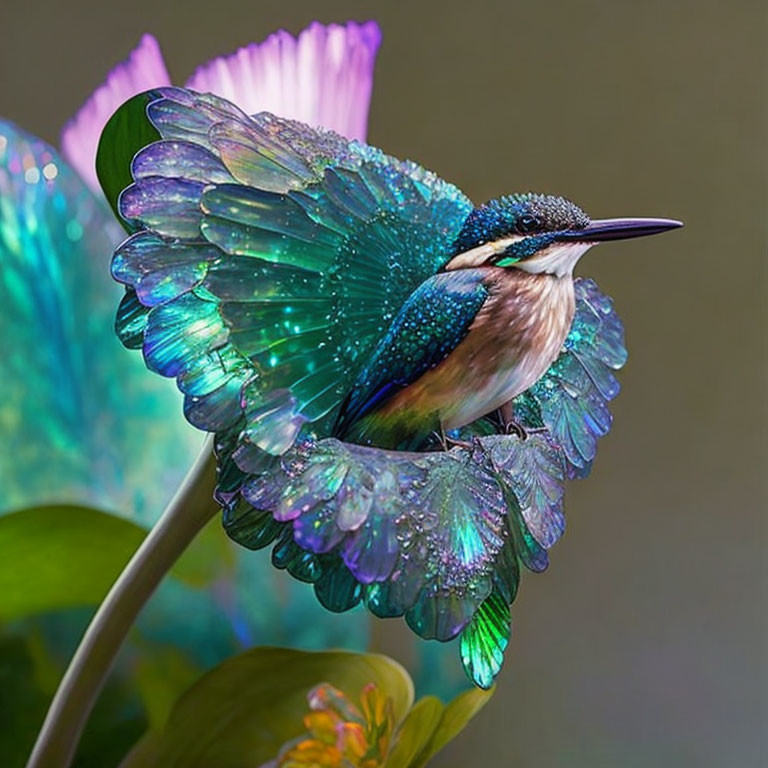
(431, 324)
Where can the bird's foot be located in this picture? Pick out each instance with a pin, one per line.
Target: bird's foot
(451, 442)
(506, 419)
(523, 433)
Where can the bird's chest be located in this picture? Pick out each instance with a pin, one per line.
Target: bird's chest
(512, 342)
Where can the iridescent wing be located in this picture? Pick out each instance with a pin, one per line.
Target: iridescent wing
(81, 422)
(269, 261)
(413, 534)
(435, 537)
(431, 537)
(572, 398)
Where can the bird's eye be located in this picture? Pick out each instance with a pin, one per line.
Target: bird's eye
(527, 223)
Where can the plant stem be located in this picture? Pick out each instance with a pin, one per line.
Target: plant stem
(189, 510)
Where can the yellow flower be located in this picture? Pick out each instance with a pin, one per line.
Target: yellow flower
(341, 735)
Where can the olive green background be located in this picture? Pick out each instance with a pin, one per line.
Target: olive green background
(644, 644)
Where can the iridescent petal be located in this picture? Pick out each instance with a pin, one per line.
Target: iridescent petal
(399, 592)
(83, 423)
(253, 159)
(484, 641)
(442, 615)
(527, 548)
(272, 422)
(506, 574)
(216, 410)
(160, 269)
(309, 489)
(337, 589)
(298, 562)
(131, 320)
(534, 470)
(372, 552)
(179, 159)
(354, 499)
(316, 529)
(249, 527)
(170, 207)
(573, 395)
(180, 331)
(187, 116)
(264, 492)
(235, 215)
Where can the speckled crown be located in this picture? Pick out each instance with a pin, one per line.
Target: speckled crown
(523, 214)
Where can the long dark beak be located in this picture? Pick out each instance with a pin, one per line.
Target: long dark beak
(600, 230)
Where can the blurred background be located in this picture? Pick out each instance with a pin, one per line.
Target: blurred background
(645, 643)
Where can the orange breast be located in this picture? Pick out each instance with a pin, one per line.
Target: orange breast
(514, 339)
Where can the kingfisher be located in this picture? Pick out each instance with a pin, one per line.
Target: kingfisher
(324, 287)
(337, 316)
(484, 328)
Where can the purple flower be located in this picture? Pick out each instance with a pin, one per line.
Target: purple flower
(322, 77)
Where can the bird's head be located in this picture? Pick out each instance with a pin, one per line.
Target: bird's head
(539, 234)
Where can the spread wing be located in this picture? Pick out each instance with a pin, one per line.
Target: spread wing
(437, 537)
(433, 321)
(269, 261)
(572, 398)
(269, 264)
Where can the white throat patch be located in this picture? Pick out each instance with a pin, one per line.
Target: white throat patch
(558, 259)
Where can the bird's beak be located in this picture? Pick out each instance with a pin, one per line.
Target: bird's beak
(601, 230)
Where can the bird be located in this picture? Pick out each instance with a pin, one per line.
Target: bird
(333, 288)
(486, 327)
(399, 381)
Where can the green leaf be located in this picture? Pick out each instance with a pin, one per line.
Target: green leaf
(455, 717)
(415, 732)
(61, 557)
(242, 712)
(22, 702)
(29, 674)
(65, 556)
(161, 675)
(115, 724)
(143, 753)
(126, 132)
(211, 556)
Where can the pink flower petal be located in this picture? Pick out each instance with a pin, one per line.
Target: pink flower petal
(323, 78)
(142, 70)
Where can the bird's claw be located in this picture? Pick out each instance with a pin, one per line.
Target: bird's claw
(505, 417)
(523, 433)
(451, 442)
